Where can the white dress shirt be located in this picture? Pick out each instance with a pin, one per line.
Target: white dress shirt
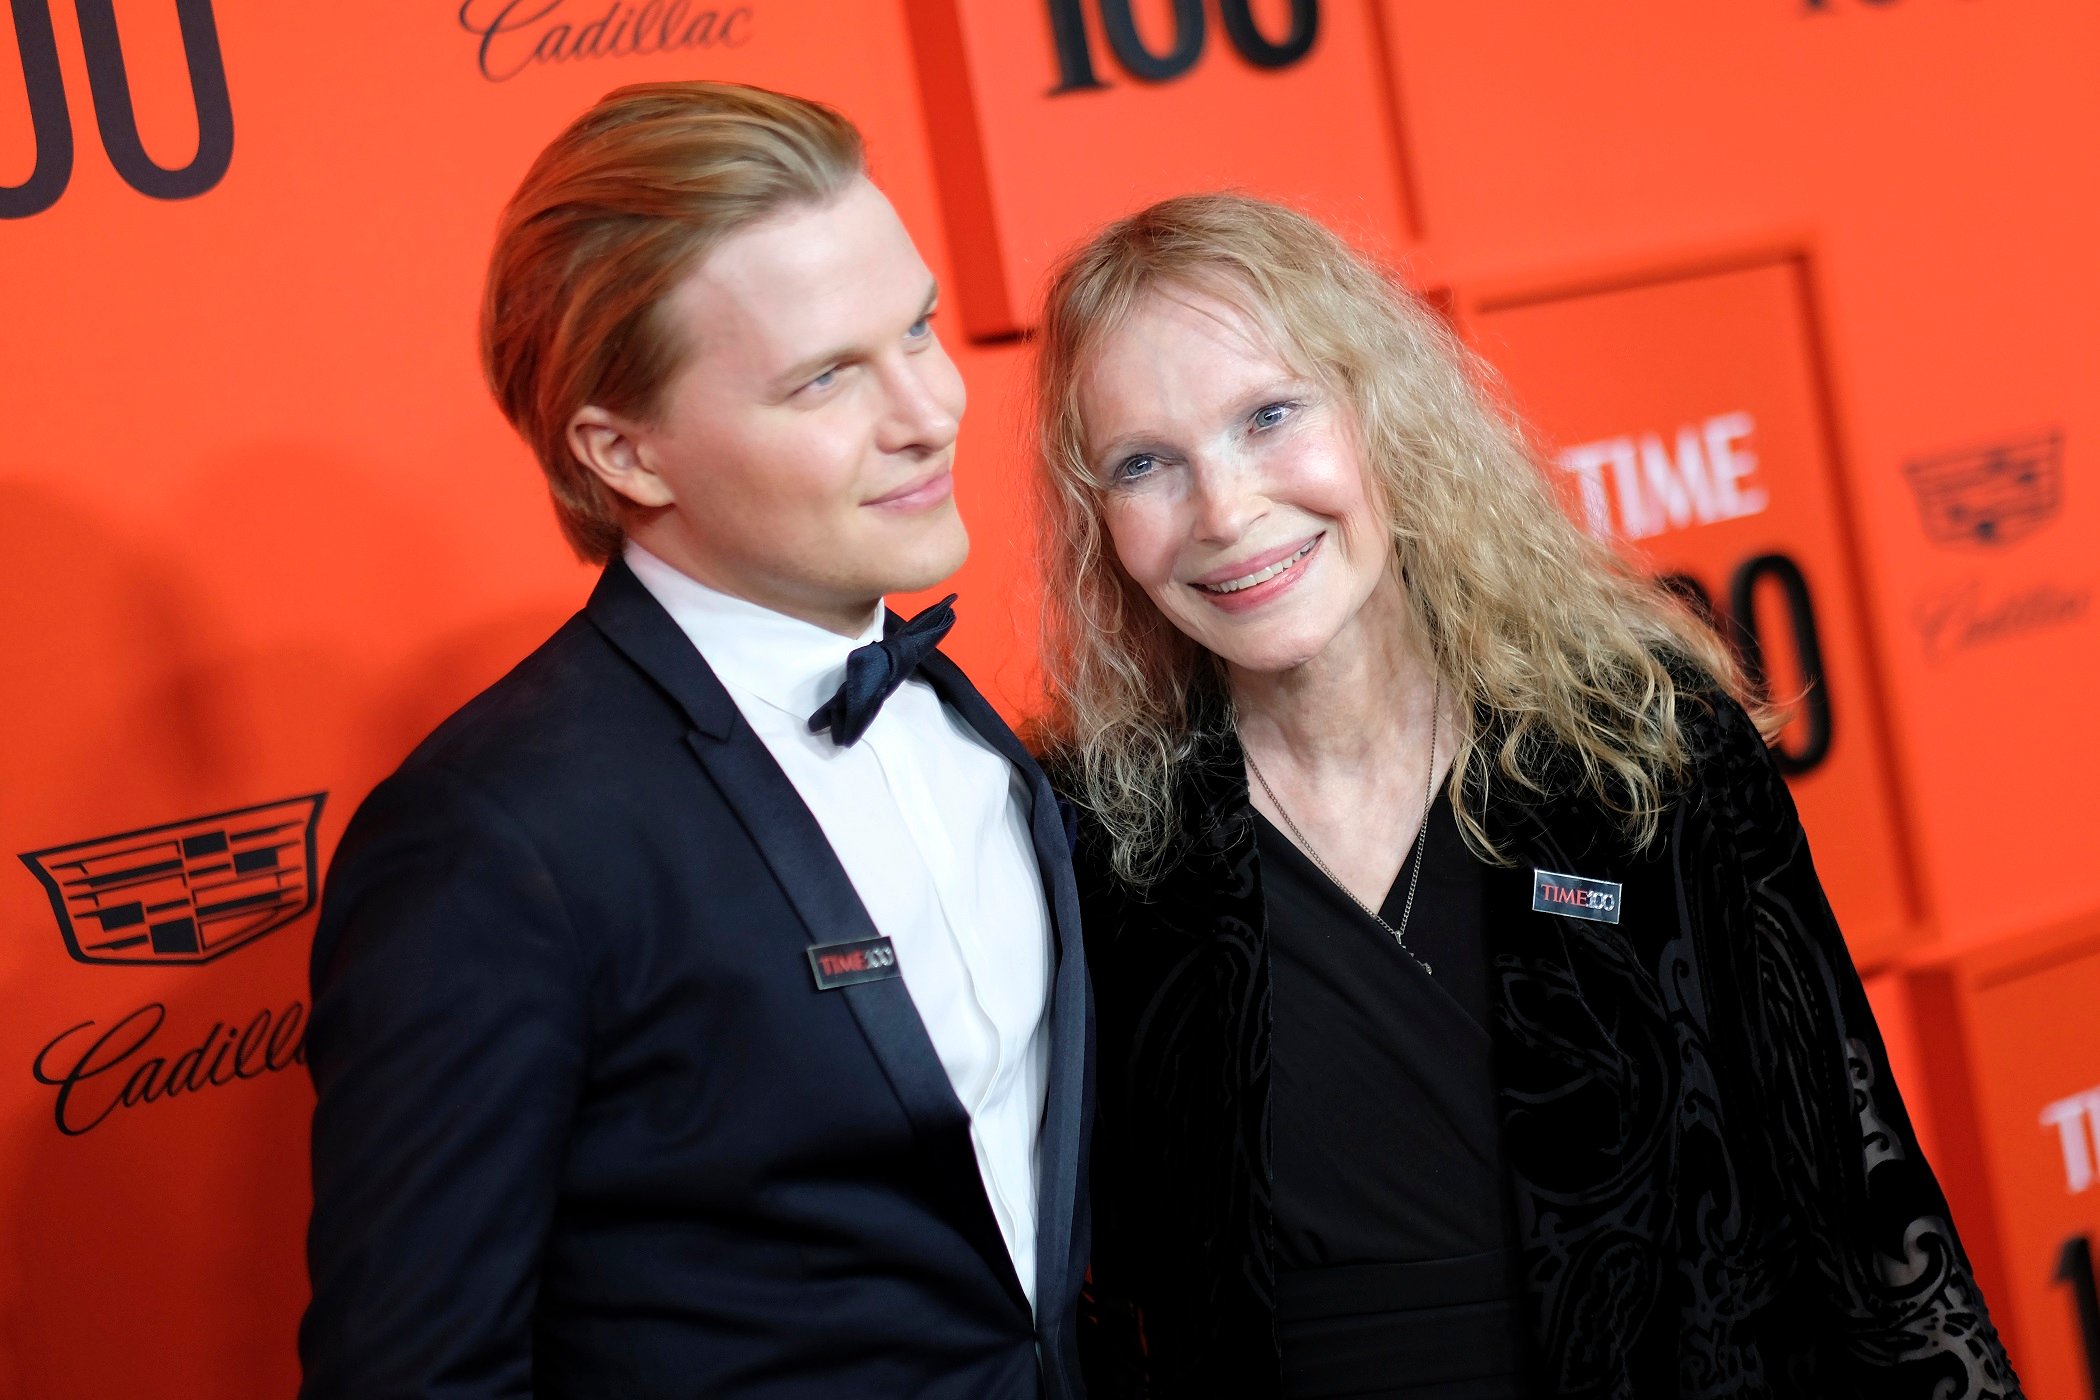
(931, 825)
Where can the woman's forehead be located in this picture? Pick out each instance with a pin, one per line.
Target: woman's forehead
(1174, 324)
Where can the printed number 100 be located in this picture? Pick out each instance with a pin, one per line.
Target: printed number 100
(1075, 49)
(1736, 619)
(2074, 1266)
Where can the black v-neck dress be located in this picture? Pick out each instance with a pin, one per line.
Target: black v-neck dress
(1395, 1256)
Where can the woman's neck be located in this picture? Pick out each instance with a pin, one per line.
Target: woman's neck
(1342, 748)
(1357, 704)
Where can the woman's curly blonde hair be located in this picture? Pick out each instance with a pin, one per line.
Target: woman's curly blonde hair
(1530, 620)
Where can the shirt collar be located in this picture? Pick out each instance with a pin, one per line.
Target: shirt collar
(784, 661)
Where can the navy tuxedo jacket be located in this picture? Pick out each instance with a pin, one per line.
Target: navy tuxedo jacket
(586, 1125)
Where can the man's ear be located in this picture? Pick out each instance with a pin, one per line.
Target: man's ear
(608, 444)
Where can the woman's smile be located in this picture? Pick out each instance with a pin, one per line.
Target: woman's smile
(1252, 526)
(1247, 591)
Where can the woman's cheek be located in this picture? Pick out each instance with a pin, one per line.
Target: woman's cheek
(1138, 543)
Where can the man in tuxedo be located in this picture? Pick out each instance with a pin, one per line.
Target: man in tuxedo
(701, 1010)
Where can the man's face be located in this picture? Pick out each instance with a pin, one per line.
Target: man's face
(801, 456)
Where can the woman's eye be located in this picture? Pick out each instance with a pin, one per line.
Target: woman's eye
(1131, 468)
(825, 380)
(921, 328)
(1269, 415)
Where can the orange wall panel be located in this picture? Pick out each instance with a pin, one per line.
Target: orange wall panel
(260, 526)
(1684, 415)
(1052, 117)
(2012, 1061)
(1933, 152)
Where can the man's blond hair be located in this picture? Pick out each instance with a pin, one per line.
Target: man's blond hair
(611, 217)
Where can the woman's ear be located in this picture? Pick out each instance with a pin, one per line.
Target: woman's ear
(614, 448)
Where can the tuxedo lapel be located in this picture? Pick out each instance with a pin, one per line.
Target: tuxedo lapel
(801, 859)
(1067, 1098)
(795, 848)
(793, 845)
(632, 620)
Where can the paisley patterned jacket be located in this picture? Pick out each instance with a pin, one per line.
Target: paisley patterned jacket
(1716, 1187)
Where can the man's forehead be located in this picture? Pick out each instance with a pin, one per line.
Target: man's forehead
(792, 283)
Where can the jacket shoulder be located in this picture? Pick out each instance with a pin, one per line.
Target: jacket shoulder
(569, 703)
(569, 751)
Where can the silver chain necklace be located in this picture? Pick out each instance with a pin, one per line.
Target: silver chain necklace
(1399, 935)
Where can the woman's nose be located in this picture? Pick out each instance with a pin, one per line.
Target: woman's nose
(1225, 500)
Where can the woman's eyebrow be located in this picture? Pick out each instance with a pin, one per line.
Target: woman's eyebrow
(1122, 443)
(1267, 392)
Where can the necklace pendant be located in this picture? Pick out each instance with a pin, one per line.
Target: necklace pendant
(1399, 935)
(1414, 959)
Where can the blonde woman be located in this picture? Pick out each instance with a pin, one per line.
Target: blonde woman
(1471, 1020)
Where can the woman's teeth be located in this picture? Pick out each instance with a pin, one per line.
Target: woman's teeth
(1259, 575)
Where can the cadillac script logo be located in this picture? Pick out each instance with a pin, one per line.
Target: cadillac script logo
(185, 892)
(1990, 495)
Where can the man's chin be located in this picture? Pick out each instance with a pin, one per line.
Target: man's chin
(928, 566)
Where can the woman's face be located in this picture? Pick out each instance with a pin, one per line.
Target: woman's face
(1233, 489)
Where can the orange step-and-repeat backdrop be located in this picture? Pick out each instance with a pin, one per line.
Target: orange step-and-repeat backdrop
(1798, 292)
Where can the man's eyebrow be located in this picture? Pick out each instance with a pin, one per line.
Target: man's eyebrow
(804, 370)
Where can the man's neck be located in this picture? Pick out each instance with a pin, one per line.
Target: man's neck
(845, 617)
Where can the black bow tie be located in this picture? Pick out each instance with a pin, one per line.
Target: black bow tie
(874, 671)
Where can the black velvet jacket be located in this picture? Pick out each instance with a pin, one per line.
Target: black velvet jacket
(1717, 1190)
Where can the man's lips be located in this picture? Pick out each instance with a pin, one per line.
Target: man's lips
(924, 491)
(1258, 568)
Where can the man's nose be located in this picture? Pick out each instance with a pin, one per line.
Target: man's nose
(924, 408)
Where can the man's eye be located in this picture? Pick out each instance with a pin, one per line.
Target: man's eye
(920, 328)
(824, 380)
(1269, 415)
